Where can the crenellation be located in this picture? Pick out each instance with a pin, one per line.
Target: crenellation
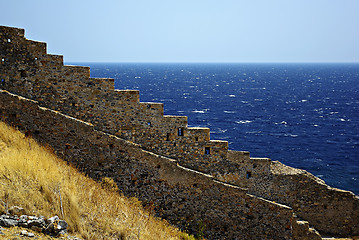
(258, 167)
(152, 108)
(76, 72)
(53, 61)
(35, 47)
(103, 84)
(129, 96)
(177, 121)
(199, 134)
(238, 156)
(11, 33)
(218, 148)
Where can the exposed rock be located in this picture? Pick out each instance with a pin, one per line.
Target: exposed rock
(49, 228)
(26, 233)
(8, 221)
(15, 210)
(35, 221)
(62, 225)
(52, 219)
(52, 226)
(56, 226)
(36, 229)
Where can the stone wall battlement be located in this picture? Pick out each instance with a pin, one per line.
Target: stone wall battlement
(70, 89)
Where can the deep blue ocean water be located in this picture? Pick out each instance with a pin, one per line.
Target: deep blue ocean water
(304, 115)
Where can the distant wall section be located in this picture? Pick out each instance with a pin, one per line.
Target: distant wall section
(332, 211)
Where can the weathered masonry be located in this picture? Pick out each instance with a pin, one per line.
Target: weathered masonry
(184, 197)
(28, 71)
(31, 72)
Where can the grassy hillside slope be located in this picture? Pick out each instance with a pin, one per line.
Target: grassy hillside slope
(33, 178)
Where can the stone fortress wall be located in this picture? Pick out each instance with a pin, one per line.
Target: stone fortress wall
(41, 76)
(184, 197)
(27, 70)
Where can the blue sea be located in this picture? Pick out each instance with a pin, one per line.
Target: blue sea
(304, 115)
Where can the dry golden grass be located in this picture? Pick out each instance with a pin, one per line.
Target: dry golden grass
(34, 178)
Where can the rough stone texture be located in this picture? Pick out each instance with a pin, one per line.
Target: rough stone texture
(27, 234)
(184, 197)
(303, 231)
(7, 221)
(330, 210)
(27, 70)
(52, 226)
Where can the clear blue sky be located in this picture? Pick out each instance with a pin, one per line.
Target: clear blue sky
(191, 30)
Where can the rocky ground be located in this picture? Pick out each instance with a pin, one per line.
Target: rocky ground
(15, 225)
